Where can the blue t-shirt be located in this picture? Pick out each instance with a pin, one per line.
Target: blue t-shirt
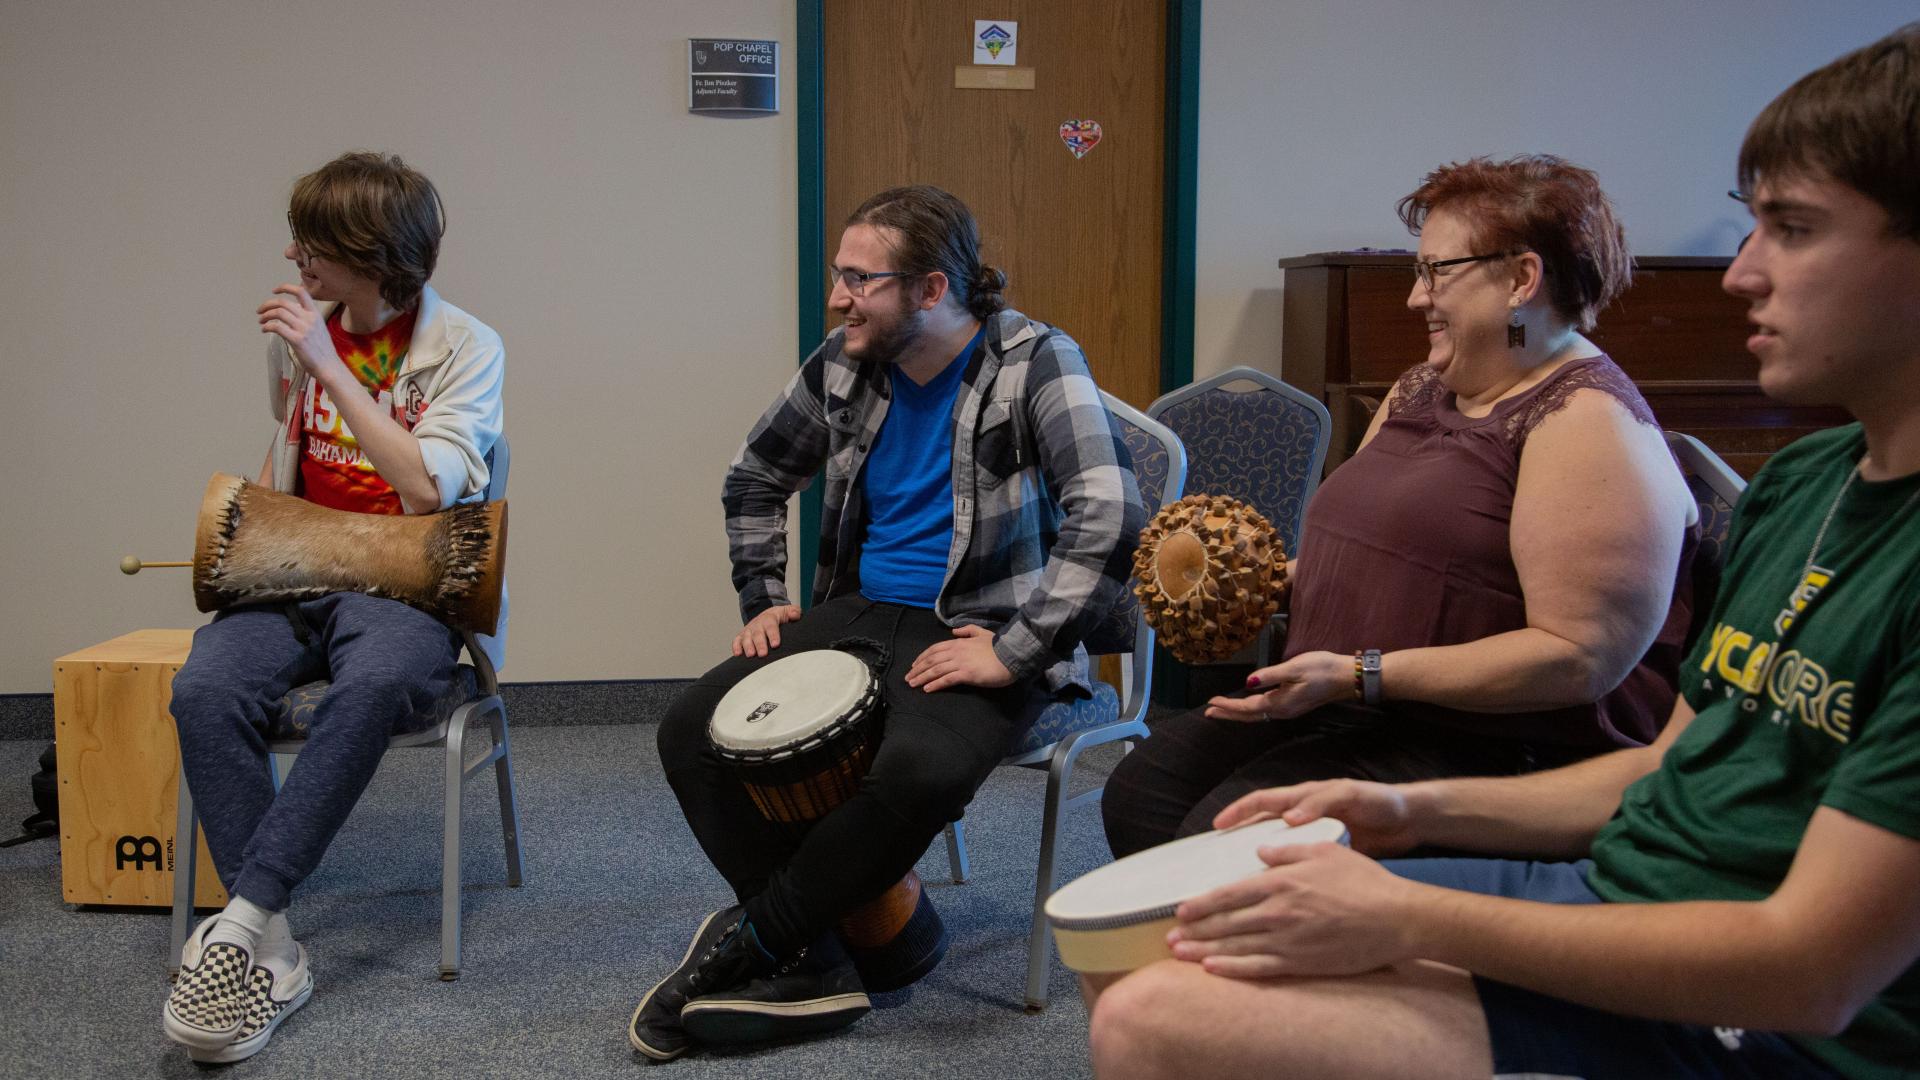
(908, 481)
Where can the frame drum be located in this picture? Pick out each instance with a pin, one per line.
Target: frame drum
(1116, 918)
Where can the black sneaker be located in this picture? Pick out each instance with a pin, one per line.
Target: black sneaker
(916, 950)
(813, 991)
(718, 951)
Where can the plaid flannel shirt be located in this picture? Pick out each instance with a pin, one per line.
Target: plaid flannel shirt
(1046, 511)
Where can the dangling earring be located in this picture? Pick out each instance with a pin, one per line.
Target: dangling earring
(1516, 330)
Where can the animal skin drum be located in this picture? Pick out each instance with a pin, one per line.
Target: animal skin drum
(254, 545)
(801, 732)
(1210, 572)
(1116, 918)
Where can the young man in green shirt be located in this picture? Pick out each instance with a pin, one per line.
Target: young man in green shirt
(1744, 903)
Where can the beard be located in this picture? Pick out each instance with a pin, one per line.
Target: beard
(889, 338)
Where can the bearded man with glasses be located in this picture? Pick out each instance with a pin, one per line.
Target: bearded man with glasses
(980, 511)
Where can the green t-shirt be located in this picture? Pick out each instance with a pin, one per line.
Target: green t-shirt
(1808, 695)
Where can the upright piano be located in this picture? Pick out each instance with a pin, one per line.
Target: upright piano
(1348, 335)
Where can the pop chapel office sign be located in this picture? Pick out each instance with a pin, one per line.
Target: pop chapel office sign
(733, 76)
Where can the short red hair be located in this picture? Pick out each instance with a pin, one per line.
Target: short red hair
(1538, 203)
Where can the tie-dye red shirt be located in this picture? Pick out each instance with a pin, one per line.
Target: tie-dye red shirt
(333, 470)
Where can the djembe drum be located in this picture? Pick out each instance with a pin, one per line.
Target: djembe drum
(254, 545)
(800, 733)
(1210, 572)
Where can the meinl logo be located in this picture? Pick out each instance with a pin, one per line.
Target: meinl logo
(139, 850)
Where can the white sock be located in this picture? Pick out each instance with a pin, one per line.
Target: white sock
(264, 934)
(277, 949)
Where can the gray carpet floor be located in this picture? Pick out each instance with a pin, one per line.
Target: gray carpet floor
(615, 885)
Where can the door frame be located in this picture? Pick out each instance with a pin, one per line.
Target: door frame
(1178, 213)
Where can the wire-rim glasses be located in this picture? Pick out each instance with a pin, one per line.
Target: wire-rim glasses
(857, 281)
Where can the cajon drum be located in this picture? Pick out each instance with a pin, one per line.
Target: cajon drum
(119, 762)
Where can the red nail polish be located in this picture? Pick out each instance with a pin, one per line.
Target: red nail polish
(1253, 680)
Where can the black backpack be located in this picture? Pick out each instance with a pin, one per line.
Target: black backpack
(46, 797)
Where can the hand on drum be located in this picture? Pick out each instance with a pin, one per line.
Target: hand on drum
(1293, 688)
(1321, 909)
(761, 635)
(965, 660)
(292, 315)
(1379, 820)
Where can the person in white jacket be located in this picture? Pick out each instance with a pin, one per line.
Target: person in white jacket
(389, 402)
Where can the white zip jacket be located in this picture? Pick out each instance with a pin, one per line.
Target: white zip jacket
(447, 394)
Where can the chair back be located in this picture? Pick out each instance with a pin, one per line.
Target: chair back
(1160, 468)
(1263, 444)
(498, 460)
(1715, 488)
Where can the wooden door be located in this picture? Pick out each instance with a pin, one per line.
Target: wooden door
(1079, 238)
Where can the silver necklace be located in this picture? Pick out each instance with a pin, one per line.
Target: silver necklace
(1819, 537)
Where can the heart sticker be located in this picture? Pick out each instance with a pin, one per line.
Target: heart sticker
(1080, 136)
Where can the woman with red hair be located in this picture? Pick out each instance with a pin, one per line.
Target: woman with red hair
(1497, 581)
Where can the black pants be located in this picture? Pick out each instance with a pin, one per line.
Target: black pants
(938, 749)
(1192, 767)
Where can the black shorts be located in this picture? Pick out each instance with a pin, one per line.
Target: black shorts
(1544, 1038)
(1537, 1036)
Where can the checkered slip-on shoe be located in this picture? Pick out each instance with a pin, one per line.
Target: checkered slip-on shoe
(209, 1001)
(271, 997)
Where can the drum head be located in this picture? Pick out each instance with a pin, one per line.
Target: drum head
(787, 704)
(1150, 884)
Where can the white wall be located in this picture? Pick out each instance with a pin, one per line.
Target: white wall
(637, 260)
(1316, 117)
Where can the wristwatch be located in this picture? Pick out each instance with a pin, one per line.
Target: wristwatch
(1370, 677)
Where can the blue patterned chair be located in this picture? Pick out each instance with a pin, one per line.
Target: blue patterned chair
(1715, 487)
(475, 698)
(1264, 445)
(1064, 731)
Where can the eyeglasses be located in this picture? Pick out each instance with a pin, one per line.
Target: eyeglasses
(1428, 272)
(302, 257)
(856, 281)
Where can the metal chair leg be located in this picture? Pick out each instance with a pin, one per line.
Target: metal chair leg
(509, 805)
(1040, 936)
(454, 783)
(277, 766)
(957, 851)
(186, 849)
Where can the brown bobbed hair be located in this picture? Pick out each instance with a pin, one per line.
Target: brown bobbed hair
(932, 230)
(1856, 121)
(1538, 203)
(375, 216)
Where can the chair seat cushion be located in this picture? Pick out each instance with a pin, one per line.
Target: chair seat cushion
(294, 717)
(1064, 718)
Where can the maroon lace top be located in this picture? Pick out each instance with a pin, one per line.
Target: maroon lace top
(1406, 545)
